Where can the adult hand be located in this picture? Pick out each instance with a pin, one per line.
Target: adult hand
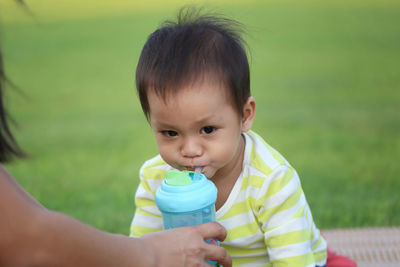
(186, 246)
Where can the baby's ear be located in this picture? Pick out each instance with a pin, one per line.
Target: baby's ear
(249, 112)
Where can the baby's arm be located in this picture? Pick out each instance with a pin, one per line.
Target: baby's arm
(147, 218)
(289, 231)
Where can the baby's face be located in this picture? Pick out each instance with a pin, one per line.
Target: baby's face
(198, 127)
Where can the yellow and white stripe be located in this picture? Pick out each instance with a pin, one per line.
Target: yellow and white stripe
(267, 217)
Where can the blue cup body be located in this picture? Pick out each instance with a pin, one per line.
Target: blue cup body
(195, 202)
(204, 215)
(187, 205)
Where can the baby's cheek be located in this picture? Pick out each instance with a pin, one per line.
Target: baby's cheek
(167, 155)
(224, 152)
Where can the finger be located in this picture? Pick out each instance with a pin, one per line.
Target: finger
(212, 230)
(219, 254)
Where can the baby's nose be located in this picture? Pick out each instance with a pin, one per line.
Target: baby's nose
(191, 148)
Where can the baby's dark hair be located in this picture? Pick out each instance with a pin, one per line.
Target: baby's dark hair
(193, 48)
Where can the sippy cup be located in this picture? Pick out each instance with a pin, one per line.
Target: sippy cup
(187, 198)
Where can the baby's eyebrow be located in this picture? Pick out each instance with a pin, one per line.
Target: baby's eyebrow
(164, 126)
(159, 124)
(214, 118)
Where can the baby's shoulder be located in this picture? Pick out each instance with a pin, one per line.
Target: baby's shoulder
(261, 156)
(154, 168)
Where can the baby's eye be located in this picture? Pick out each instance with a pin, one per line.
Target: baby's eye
(169, 133)
(208, 129)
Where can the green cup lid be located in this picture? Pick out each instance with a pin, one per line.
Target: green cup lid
(176, 177)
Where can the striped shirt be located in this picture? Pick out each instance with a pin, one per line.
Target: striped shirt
(266, 215)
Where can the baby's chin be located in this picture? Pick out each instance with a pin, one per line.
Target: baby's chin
(209, 173)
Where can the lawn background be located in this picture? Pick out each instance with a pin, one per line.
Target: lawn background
(325, 75)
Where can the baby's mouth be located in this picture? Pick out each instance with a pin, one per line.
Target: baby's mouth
(194, 168)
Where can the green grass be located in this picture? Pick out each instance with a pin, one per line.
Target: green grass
(325, 76)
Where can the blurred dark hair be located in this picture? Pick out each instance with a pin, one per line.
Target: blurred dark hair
(193, 48)
(8, 145)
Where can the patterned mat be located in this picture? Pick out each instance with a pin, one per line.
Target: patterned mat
(368, 247)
